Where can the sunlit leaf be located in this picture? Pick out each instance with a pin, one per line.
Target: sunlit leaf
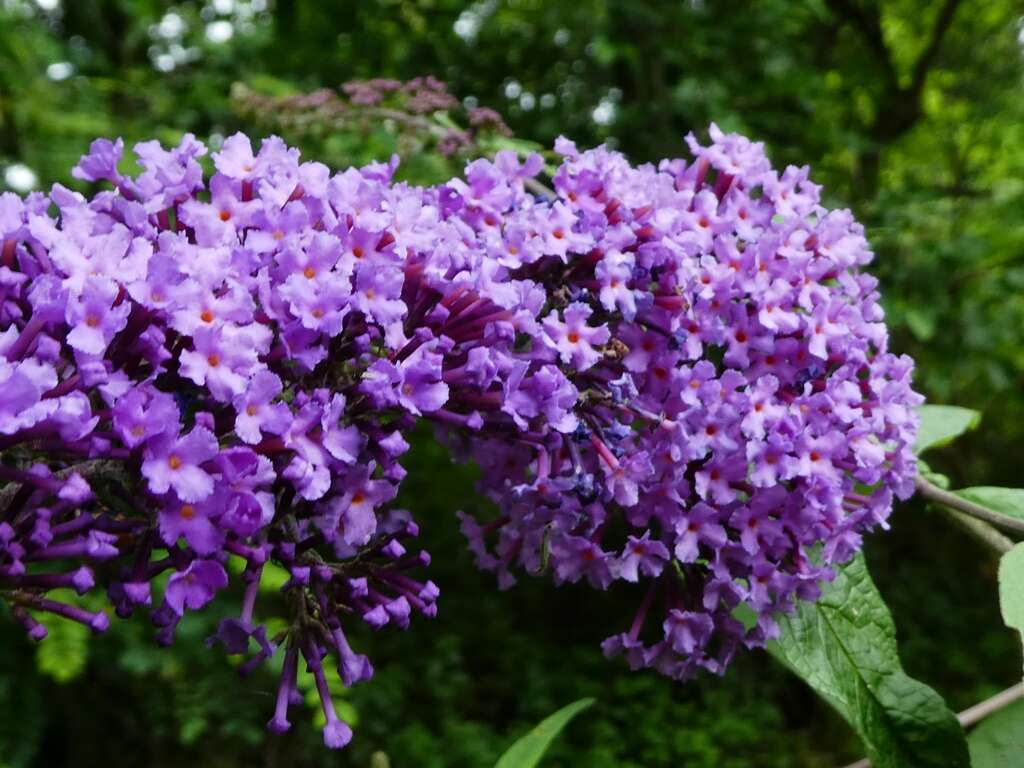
(528, 751)
(942, 424)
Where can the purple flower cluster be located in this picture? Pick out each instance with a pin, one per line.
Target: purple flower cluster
(676, 375)
(194, 373)
(738, 421)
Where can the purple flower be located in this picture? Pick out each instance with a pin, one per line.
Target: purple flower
(143, 413)
(642, 555)
(257, 411)
(623, 477)
(573, 339)
(195, 586)
(219, 361)
(101, 162)
(699, 526)
(546, 391)
(575, 557)
(686, 631)
(192, 521)
(94, 318)
(176, 463)
(351, 517)
(414, 384)
(235, 159)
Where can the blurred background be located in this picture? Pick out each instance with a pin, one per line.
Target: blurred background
(909, 111)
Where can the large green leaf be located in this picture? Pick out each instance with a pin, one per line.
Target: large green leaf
(1011, 587)
(528, 751)
(844, 647)
(998, 741)
(941, 424)
(1006, 501)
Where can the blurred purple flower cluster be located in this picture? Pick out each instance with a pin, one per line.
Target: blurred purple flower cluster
(421, 114)
(675, 375)
(739, 421)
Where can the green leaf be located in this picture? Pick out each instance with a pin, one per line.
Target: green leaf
(1006, 501)
(998, 741)
(62, 655)
(941, 424)
(1011, 587)
(844, 647)
(528, 751)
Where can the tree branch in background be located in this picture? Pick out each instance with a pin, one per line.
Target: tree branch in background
(868, 22)
(927, 57)
(898, 107)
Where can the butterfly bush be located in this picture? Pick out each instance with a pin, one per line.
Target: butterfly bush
(739, 422)
(673, 375)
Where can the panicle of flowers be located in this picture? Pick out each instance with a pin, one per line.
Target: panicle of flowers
(195, 371)
(739, 421)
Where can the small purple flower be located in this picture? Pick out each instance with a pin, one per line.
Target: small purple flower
(219, 362)
(143, 413)
(195, 586)
(414, 384)
(257, 411)
(642, 555)
(94, 318)
(575, 557)
(101, 162)
(573, 339)
(698, 527)
(176, 463)
(545, 391)
(235, 159)
(192, 521)
(686, 631)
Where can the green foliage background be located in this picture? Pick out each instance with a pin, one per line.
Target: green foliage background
(909, 111)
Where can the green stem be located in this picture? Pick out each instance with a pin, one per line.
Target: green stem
(937, 495)
(980, 530)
